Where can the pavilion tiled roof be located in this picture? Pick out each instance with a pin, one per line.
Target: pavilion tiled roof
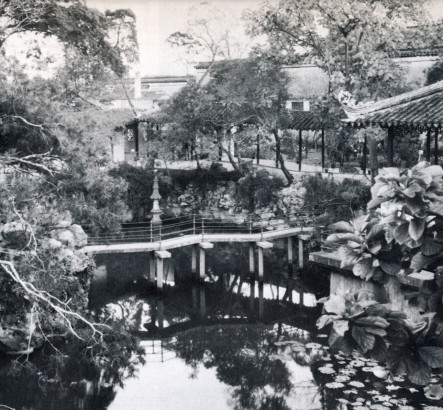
(306, 121)
(421, 108)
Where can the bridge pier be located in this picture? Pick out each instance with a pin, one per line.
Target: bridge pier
(290, 257)
(261, 246)
(160, 255)
(251, 260)
(151, 267)
(194, 260)
(301, 246)
(202, 247)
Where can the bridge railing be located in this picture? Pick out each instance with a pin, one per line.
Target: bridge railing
(195, 224)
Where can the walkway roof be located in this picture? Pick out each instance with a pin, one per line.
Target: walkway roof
(306, 121)
(421, 109)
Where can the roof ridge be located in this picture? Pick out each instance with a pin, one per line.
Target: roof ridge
(356, 112)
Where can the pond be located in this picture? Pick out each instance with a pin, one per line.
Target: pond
(227, 344)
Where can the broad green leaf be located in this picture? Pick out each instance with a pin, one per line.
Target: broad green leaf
(363, 267)
(324, 320)
(375, 321)
(433, 171)
(416, 228)
(376, 202)
(420, 261)
(436, 208)
(341, 343)
(416, 205)
(390, 173)
(341, 237)
(390, 267)
(365, 340)
(342, 226)
(432, 356)
(335, 305)
(376, 230)
(401, 234)
(419, 373)
(379, 351)
(430, 247)
(412, 189)
(360, 223)
(340, 326)
(364, 295)
(376, 331)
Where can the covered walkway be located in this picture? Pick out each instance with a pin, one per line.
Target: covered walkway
(420, 110)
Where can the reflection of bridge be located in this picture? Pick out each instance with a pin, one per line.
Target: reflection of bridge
(200, 232)
(212, 309)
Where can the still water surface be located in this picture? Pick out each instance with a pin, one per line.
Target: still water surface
(223, 346)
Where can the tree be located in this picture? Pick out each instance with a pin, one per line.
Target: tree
(352, 42)
(73, 24)
(53, 160)
(207, 38)
(255, 93)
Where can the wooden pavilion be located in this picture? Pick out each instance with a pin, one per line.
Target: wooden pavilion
(308, 121)
(420, 110)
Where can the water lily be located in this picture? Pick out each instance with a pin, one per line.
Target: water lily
(434, 392)
(326, 370)
(356, 384)
(334, 385)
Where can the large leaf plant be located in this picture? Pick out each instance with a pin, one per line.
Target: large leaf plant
(401, 233)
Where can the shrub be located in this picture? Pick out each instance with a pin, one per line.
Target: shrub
(257, 189)
(329, 201)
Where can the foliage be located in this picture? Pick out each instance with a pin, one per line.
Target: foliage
(202, 178)
(73, 24)
(206, 37)
(360, 323)
(331, 201)
(434, 73)
(403, 230)
(352, 42)
(53, 160)
(257, 188)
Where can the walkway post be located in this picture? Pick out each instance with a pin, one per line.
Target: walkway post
(428, 145)
(299, 150)
(390, 146)
(436, 146)
(323, 150)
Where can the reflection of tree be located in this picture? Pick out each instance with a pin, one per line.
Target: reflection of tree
(245, 359)
(72, 374)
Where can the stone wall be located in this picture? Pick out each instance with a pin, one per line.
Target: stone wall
(223, 202)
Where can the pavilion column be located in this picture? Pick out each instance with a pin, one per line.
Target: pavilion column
(323, 149)
(390, 146)
(365, 144)
(437, 130)
(428, 145)
(299, 150)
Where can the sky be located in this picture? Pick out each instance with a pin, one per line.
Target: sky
(157, 19)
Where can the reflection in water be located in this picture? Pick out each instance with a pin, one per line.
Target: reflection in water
(230, 345)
